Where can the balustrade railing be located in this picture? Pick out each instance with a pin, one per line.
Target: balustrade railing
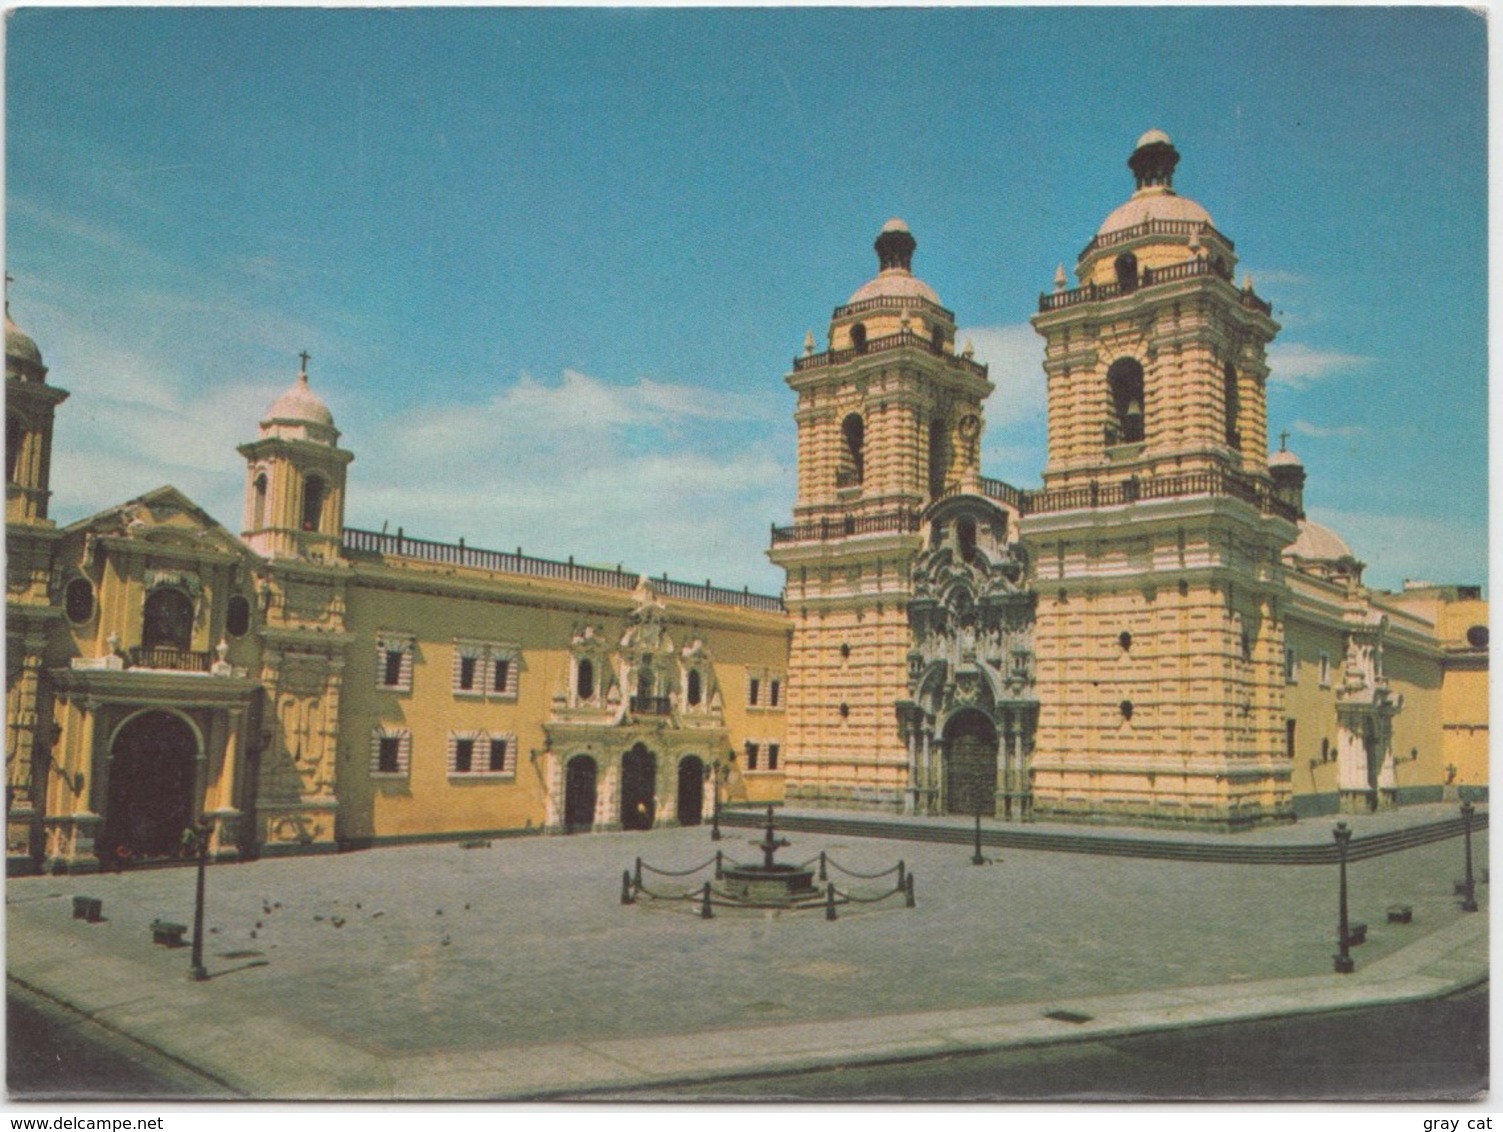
(889, 342)
(651, 705)
(1133, 489)
(168, 659)
(885, 302)
(400, 545)
(1155, 228)
(845, 526)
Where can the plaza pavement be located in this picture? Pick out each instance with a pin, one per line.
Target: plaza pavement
(513, 970)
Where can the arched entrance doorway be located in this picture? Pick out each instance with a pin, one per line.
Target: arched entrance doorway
(153, 768)
(970, 764)
(639, 768)
(691, 790)
(579, 794)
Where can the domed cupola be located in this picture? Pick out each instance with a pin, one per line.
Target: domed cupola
(1288, 473)
(1155, 227)
(894, 301)
(23, 360)
(300, 414)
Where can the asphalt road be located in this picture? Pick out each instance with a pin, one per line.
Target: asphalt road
(1435, 1050)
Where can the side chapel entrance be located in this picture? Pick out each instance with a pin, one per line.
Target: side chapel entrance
(970, 764)
(638, 788)
(153, 770)
(691, 790)
(579, 794)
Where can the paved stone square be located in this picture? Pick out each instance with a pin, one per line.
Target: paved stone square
(452, 952)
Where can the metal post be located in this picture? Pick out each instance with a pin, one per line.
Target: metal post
(637, 876)
(196, 971)
(715, 818)
(830, 902)
(1344, 964)
(909, 901)
(822, 875)
(1469, 904)
(976, 857)
(704, 909)
(719, 865)
(626, 893)
(902, 875)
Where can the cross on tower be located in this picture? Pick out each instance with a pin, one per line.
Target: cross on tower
(305, 356)
(1284, 440)
(9, 279)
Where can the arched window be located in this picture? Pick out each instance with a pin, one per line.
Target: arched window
(858, 337)
(1125, 380)
(965, 538)
(939, 455)
(15, 432)
(258, 503)
(853, 430)
(1127, 271)
(313, 502)
(167, 620)
(693, 692)
(584, 680)
(1233, 407)
(939, 338)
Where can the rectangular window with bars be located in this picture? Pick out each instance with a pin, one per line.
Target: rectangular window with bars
(485, 669)
(504, 672)
(774, 687)
(752, 751)
(772, 756)
(476, 754)
(391, 752)
(394, 653)
(753, 691)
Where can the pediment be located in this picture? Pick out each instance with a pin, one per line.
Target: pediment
(165, 519)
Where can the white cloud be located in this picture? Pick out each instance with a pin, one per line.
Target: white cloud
(1014, 355)
(1322, 432)
(1297, 365)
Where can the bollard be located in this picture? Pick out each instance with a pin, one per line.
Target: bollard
(704, 909)
(822, 875)
(829, 902)
(1344, 964)
(1470, 903)
(626, 893)
(719, 865)
(902, 874)
(637, 878)
(909, 901)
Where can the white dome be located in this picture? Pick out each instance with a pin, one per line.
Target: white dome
(1284, 458)
(20, 345)
(1153, 204)
(1151, 137)
(1318, 544)
(896, 284)
(300, 405)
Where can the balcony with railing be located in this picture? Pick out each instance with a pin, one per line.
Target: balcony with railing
(901, 340)
(847, 526)
(379, 543)
(1151, 277)
(651, 705)
(1211, 482)
(164, 658)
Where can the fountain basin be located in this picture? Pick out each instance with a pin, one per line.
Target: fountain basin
(770, 884)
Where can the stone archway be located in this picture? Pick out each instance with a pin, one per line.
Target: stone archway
(691, 790)
(970, 755)
(153, 773)
(579, 794)
(639, 768)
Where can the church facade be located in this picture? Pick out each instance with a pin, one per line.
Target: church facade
(1157, 635)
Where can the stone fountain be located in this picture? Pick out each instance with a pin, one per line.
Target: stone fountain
(770, 882)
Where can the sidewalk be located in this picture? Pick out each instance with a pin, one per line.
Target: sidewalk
(513, 971)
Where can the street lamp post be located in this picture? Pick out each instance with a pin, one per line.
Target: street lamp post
(1344, 964)
(200, 836)
(715, 814)
(976, 857)
(1469, 903)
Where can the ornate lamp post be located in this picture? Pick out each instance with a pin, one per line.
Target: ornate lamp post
(976, 857)
(715, 813)
(1344, 964)
(1469, 903)
(200, 838)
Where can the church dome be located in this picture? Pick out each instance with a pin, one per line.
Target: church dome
(20, 346)
(1152, 162)
(1318, 544)
(895, 246)
(1283, 458)
(300, 405)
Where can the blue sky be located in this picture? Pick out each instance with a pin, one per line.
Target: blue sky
(552, 266)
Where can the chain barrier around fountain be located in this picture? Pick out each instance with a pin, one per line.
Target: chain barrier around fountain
(768, 886)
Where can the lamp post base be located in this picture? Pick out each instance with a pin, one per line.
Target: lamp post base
(1345, 965)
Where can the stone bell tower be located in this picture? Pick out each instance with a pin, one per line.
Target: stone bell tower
(889, 420)
(1157, 537)
(295, 479)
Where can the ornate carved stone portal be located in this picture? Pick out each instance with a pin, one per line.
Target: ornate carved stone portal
(972, 705)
